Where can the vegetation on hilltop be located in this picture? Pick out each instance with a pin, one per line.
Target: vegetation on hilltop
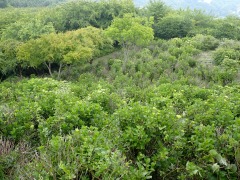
(106, 90)
(27, 3)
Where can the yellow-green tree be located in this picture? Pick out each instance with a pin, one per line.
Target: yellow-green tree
(8, 59)
(63, 48)
(26, 29)
(131, 31)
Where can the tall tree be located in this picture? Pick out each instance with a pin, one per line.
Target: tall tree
(12, 15)
(228, 28)
(63, 48)
(173, 25)
(131, 31)
(157, 9)
(8, 57)
(27, 29)
(83, 13)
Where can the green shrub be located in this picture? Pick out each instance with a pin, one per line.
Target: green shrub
(221, 53)
(205, 42)
(85, 154)
(228, 49)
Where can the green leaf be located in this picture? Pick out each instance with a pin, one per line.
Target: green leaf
(237, 155)
(192, 168)
(221, 160)
(215, 167)
(213, 153)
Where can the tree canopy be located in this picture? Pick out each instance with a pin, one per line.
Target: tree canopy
(27, 29)
(128, 29)
(173, 25)
(63, 48)
(131, 31)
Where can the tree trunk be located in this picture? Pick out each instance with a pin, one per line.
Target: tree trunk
(20, 71)
(49, 68)
(59, 71)
(126, 56)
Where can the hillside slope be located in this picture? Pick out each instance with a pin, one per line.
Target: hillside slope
(215, 7)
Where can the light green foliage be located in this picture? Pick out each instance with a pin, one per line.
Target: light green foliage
(205, 42)
(228, 49)
(180, 48)
(25, 107)
(97, 155)
(27, 29)
(12, 15)
(84, 154)
(57, 108)
(64, 48)
(8, 53)
(160, 128)
(228, 70)
(193, 169)
(128, 29)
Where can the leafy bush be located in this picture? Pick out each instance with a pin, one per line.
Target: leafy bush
(179, 47)
(85, 154)
(221, 53)
(26, 104)
(205, 42)
(149, 132)
(229, 49)
(173, 25)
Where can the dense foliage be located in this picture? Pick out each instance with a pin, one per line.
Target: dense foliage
(105, 90)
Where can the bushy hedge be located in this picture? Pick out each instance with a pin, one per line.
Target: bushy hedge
(161, 131)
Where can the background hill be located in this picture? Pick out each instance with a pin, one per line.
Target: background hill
(215, 7)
